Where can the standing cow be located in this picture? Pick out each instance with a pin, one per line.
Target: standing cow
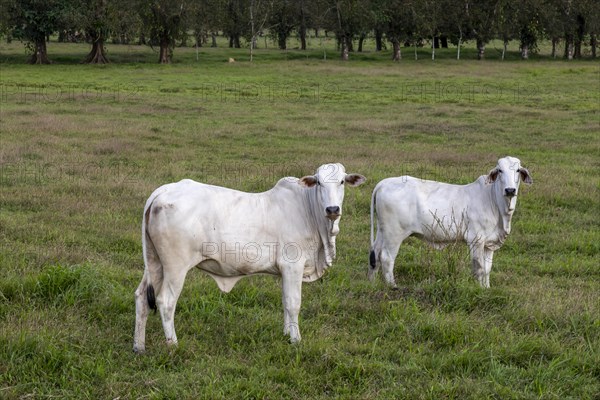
(288, 231)
(478, 214)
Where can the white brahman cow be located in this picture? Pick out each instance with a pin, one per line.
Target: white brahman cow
(288, 231)
(478, 214)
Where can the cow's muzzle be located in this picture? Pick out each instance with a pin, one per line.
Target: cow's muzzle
(510, 192)
(332, 212)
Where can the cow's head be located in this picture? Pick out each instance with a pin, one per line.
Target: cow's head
(329, 182)
(506, 178)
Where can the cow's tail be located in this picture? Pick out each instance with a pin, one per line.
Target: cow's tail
(153, 269)
(372, 256)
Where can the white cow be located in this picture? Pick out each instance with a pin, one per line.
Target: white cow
(288, 231)
(478, 214)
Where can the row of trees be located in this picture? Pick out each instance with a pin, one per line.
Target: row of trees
(165, 23)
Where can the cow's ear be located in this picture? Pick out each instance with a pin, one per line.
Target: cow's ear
(525, 177)
(492, 176)
(308, 181)
(355, 179)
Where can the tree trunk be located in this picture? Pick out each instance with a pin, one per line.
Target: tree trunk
(230, 41)
(378, 40)
(569, 47)
(361, 40)
(593, 43)
(433, 49)
(282, 42)
(436, 42)
(444, 40)
(579, 36)
(40, 53)
(458, 46)
(302, 29)
(480, 49)
(213, 37)
(350, 44)
(236, 41)
(504, 49)
(165, 53)
(97, 55)
(554, 43)
(344, 45)
(396, 54)
(303, 38)
(524, 51)
(577, 49)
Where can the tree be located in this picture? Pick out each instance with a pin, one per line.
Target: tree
(259, 13)
(396, 20)
(481, 16)
(283, 20)
(97, 18)
(591, 9)
(586, 16)
(427, 17)
(507, 22)
(347, 18)
(530, 28)
(235, 22)
(164, 21)
(206, 17)
(32, 21)
(303, 22)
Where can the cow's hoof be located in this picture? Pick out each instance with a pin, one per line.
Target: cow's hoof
(294, 340)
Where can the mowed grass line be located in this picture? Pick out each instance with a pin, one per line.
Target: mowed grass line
(81, 148)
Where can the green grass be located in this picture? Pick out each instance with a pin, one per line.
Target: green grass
(82, 147)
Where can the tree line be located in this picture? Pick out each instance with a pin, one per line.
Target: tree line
(164, 24)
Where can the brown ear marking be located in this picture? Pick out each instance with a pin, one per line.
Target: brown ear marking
(355, 179)
(525, 176)
(492, 176)
(308, 181)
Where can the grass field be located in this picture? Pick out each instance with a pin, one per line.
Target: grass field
(82, 147)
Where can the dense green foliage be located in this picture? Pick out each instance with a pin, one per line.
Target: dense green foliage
(429, 23)
(81, 148)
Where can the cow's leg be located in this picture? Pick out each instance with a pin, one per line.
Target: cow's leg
(478, 262)
(141, 316)
(291, 285)
(488, 256)
(375, 257)
(166, 301)
(387, 255)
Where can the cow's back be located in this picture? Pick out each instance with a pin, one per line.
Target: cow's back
(242, 233)
(426, 208)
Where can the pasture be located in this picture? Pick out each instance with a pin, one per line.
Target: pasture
(82, 147)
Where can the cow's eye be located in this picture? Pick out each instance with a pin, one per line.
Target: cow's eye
(342, 182)
(318, 183)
